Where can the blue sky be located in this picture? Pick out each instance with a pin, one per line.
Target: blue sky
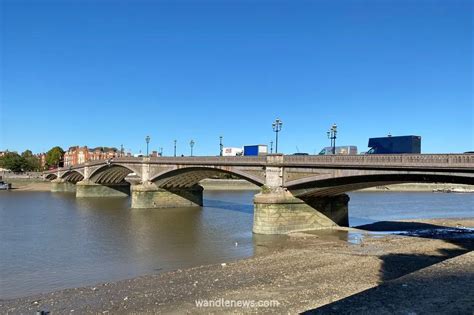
(106, 73)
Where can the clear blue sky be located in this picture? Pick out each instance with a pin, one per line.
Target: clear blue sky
(106, 73)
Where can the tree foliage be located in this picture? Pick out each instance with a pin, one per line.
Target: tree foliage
(12, 161)
(25, 162)
(30, 161)
(54, 157)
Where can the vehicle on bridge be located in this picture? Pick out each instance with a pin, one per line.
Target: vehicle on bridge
(258, 149)
(229, 151)
(395, 145)
(340, 150)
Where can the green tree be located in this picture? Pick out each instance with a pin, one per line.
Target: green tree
(54, 157)
(30, 161)
(12, 161)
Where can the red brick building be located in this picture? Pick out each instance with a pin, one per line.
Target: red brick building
(78, 155)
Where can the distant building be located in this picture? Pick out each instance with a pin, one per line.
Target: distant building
(42, 160)
(78, 155)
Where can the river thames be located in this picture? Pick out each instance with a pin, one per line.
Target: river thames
(55, 241)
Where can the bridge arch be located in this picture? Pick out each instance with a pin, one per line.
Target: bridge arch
(332, 186)
(190, 176)
(72, 176)
(111, 174)
(51, 176)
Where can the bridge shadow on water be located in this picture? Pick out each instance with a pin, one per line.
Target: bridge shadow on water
(448, 290)
(227, 205)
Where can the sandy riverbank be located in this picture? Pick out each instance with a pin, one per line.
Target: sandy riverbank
(431, 273)
(424, 187)
(29, 185)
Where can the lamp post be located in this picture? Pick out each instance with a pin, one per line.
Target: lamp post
(332, 135)
(147, 139)
(161, 151)
(191, 144)
(277, 128)
(221, 146)
(271, 147)
(175, 141)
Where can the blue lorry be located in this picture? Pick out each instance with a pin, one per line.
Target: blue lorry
(258, 149)
(395, 145)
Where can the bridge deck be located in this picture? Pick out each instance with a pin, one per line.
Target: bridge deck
(435, 161)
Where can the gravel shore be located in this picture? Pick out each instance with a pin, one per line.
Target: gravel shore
(411, 273)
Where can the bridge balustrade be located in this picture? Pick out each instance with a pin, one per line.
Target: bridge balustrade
(392, 159)
(210, 160)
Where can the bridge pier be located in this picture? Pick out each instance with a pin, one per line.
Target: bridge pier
(279, 212)
(148, 195)
(61, 185)
(335, 208)
(87, 188)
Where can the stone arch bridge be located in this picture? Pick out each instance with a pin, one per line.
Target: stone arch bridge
(297, 192)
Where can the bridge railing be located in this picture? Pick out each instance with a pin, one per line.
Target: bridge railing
(435, 160)
(226, 160)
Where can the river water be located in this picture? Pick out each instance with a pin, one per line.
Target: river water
(51, 241)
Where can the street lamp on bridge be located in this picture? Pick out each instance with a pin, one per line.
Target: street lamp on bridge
(191, 144)
(147, 140)
(175, 141)
(271, 147)
(277, 128)
(332, 134)
(221, 146)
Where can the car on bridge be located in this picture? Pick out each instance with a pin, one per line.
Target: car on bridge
(340, 150)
